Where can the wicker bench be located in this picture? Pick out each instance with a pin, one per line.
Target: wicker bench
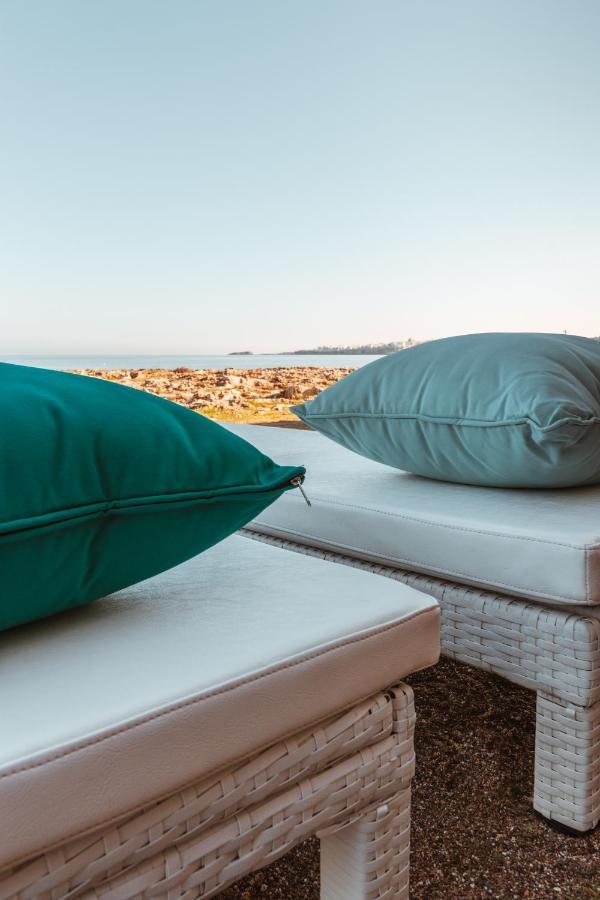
(516, 573)
(169, 739)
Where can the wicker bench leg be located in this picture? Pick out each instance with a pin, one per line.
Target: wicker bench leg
(567, 763)
(369, 859)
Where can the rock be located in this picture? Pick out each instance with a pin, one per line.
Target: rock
(290, 392)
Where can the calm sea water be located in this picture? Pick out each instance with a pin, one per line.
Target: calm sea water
(258, 361)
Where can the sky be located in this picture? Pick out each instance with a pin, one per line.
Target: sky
(203, 176)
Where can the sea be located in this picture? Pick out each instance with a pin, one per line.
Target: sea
(174, 361)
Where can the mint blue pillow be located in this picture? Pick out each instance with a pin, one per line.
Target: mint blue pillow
(503, 410)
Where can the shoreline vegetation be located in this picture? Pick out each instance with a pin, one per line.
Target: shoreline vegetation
(254, 396)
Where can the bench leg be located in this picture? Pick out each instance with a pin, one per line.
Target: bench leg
(567, 763)
(369, 859)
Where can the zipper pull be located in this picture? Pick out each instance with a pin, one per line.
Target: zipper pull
(297, 482)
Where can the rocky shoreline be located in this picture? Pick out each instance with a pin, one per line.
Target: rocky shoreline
(235, 395)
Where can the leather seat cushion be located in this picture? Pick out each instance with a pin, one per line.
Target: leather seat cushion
(542, 544)
(113, 705)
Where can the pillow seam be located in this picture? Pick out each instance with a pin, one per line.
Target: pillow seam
(101, 507)
(458, 421)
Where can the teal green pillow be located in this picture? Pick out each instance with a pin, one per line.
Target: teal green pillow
(104, 485)
(504, 410)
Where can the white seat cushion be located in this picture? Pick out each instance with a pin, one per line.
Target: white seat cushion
(543, 545)
(108, 707)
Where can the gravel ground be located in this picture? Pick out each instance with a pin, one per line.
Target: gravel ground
(475, 834)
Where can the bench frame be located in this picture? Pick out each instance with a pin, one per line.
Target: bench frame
(552, 651)
(346, 780)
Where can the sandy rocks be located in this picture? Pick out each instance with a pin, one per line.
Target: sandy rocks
(240, 395)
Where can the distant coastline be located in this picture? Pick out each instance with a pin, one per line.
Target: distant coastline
(362, 350)
(246, 360)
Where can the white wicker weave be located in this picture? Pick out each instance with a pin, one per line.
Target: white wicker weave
(552, 651)
(347, 780)
(567, 762)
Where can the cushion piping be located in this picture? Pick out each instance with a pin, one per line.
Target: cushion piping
(462, 528)
(273, 669)
(425, 567)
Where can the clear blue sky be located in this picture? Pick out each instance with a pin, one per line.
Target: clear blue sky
(211, 175)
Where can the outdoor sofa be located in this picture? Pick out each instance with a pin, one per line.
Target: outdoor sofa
(168, 739)
(516, 572)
